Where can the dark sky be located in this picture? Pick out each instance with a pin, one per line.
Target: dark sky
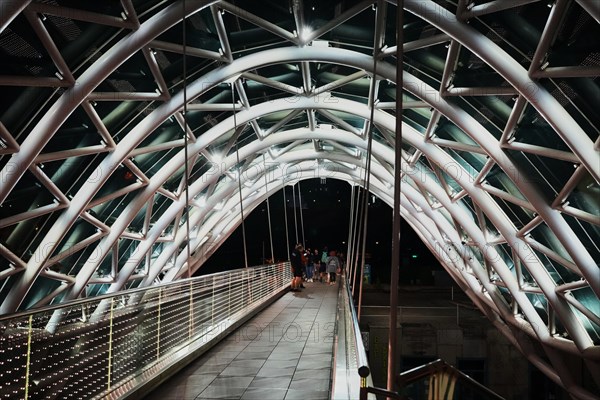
(325, 213)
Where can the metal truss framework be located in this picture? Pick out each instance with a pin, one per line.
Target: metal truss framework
(522, 245)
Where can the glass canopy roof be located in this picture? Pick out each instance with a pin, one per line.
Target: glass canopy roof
(501, 161)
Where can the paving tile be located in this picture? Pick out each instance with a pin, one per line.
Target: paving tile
(313, 364)
(247, 363)
(317, 349)
(251, 349)
(294, 394)
(282, 356)
(221, 392)
(212, 369)
(279, 382)
(233, 381)
(310, 383)
(240, 371)
(281, 363)
(324, 373)
(254, 355)
(194, 379)
(176, 392)
(276, 372)
(264, 394)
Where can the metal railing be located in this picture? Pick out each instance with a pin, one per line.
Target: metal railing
(351, 364)
(436, 380)
(445, 382)
(107, 346)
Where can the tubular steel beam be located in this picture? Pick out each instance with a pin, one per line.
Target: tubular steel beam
(90, 79)
(548, 107)
(494, 6)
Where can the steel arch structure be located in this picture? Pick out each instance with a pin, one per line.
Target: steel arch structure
(501, 151)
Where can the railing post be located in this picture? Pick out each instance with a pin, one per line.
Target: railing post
(212, 306)
(250, 287)
(363, 389)
(243, 290)
(29, 332)
(110, 334)
(229, 297)
(158, 326)
(191, 316)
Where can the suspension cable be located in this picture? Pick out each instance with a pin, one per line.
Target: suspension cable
(287, 235)
(358, 223)
(353, 238)
(295, 218)
(268, 209)
(186, 172)
(239, 175)
(301, 218)
(391, 372)
(368, 172)
(350, 228)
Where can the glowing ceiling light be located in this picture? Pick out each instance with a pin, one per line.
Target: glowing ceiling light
(305, 33)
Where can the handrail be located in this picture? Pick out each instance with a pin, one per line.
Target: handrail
(361, 354)
(351, 372)
(75, 302)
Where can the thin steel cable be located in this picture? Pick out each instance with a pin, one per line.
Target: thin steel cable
(295, 217)
(301, 218)
(396, 229)
(268, 209)
(187, 174)
(350, 228)
(358, 222)
(239, 175)
(185, 148)
(368, 178)
(287, 234)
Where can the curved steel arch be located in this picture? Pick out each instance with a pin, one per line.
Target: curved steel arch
(461, 118)
(435, 154)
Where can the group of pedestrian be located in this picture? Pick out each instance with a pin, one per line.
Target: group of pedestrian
(312, 265)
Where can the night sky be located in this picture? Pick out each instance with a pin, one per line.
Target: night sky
(326, 213)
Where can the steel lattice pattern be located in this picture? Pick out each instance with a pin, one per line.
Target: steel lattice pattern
(501, 143)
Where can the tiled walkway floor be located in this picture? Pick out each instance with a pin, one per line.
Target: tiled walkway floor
(283, 353)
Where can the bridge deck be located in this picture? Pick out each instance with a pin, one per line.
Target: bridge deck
(283, 353)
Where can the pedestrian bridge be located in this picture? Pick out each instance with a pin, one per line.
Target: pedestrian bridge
(135, 135)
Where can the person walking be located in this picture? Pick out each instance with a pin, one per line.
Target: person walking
(323, 266)
(317, 265)
(333, 264)
(296, 263)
